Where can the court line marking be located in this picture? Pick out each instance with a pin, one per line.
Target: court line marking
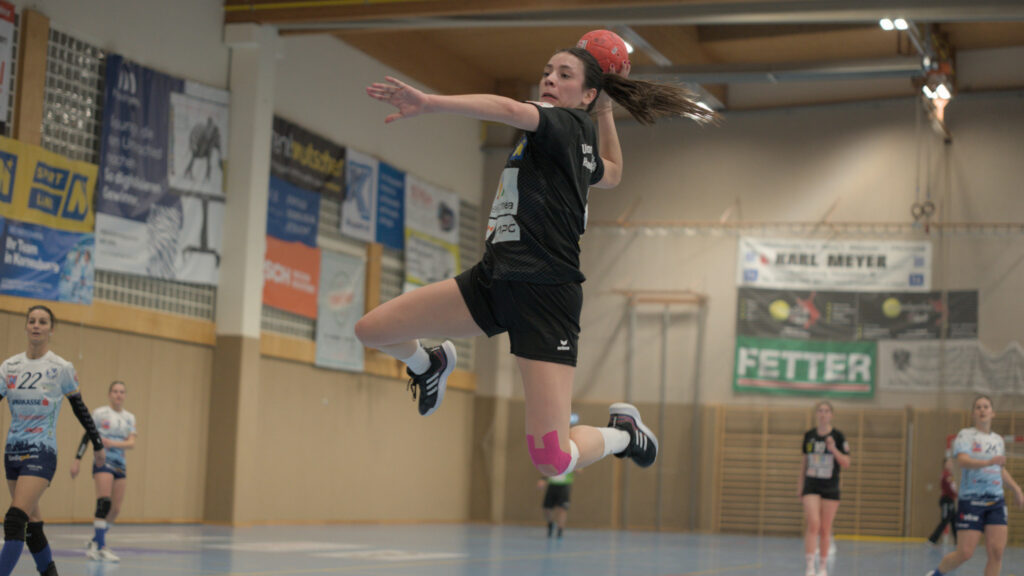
(386, 565)
(721, 570)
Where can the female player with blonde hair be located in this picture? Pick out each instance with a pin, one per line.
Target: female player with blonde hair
(826, 452)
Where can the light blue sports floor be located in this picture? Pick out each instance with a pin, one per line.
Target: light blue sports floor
(471, 550)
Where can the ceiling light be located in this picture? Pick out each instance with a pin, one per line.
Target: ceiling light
(928, 92)
(900, 24)
(704, 106)
(943, 92)
(886, 24)
(629, 47)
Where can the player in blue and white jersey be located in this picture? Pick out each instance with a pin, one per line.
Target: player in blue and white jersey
(35, 384)
(981, 455)
(117, 428)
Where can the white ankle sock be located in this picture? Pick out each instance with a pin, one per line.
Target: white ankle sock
(615, 440)
(419, 362)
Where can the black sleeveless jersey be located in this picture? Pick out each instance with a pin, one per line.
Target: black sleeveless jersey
(822, 468)
(540, 209)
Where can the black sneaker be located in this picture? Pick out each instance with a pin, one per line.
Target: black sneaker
(643, 446)
(431, 384)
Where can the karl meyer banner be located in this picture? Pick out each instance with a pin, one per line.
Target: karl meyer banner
(853, 265)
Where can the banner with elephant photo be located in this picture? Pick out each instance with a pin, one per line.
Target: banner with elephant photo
(431, 233)
(160, 198)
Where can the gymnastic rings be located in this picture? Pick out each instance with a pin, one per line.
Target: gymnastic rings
(922, 209)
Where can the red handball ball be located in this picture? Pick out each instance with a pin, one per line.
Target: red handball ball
(607, 47)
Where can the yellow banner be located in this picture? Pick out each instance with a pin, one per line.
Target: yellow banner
(44, 188)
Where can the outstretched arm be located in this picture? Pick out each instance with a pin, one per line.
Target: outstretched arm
(412, 102)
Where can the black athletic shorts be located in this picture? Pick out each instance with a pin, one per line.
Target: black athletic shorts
(827, 491)
(557, 496)
(542, 320)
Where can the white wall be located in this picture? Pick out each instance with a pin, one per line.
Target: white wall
(183, 38)
(792, 165)
(321, 86)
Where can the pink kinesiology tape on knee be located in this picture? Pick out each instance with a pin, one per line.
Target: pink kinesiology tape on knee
(549, 453)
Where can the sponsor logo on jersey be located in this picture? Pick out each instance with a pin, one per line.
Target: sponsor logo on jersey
(51, 372)
(976, 447)
(12, 380)
(36, 430)
(563, 346)
(30, 402)
(105, 425)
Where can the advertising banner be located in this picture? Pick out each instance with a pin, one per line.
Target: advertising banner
(829, 315)
(391, 207)
(291, 273)
(853, 265)
(359, 209)
(431, 233)
(160, 200)
(342, 302)
(306, 160)
(293, 214)
(954, 365)
(46, 264)
(6, 56)
(835, 369)
(40, 187)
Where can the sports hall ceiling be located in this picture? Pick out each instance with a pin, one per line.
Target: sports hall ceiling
(742, 53)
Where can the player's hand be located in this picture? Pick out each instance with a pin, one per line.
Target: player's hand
(830, 444)
(541, 484)
(999, 460)
(1018, 495)
(106, 442)
(624, 71)
(99, 458)
(409, 101)
(75, 465)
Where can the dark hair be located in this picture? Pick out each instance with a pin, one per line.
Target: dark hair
(53, 319)
(645, 101)
(979, 397)
(115, 383)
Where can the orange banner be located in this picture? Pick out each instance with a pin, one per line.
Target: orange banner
(291, 272)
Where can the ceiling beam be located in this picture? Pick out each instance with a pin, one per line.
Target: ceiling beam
(734, 73)
(444, 14)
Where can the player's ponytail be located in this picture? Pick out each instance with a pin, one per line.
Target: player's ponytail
(644, 100)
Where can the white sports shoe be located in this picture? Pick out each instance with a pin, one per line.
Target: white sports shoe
(92, 551)
(107, 556)
(821, 571)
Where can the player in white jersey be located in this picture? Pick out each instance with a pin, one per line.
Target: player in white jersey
(117, 427)
(35, 383)
(981, 455)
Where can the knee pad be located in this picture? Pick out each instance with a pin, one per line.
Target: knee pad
(549, 458)
(15, 524)
(102, 507)
(34, 537)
